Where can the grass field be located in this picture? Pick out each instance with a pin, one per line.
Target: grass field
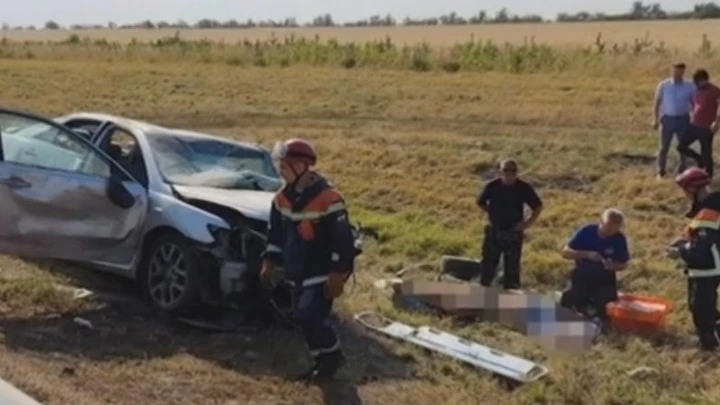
(409, 151)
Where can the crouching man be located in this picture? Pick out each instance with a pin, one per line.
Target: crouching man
(599, 251)
(699, 250)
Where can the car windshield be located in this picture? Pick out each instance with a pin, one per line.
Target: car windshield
(207, 162)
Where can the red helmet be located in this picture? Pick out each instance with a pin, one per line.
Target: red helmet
(693, 178)
(295, 150)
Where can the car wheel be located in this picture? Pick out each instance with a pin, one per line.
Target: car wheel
(169, 275)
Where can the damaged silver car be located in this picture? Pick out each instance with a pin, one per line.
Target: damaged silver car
(182, 213)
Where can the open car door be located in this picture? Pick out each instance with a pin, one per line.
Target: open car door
(61, 197)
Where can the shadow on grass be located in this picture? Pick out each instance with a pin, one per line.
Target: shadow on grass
(126, 328)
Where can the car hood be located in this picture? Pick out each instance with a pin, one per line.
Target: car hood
(253, 204)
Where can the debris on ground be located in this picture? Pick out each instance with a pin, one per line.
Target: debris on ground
(77, 292)
(81, 293)
(83, 322)
(642, 372)
(382, 284)
(227, 321)
(68, 371)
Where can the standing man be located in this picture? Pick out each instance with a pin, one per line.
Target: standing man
(310, 234)
(599, 251)
(504, 200)
(699, 249)
(704, 123)
(671, 113)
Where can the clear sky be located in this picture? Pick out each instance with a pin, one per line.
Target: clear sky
(64, 12)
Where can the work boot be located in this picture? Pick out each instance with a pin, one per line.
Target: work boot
(708, 342)
(325, 367)
(329, 363)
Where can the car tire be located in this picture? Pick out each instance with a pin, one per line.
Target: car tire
(170, 260)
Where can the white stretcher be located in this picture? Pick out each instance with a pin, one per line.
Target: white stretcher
(504, 364)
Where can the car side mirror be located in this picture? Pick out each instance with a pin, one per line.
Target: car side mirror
(117, 193)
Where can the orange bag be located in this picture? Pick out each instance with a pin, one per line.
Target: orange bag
(638, 313)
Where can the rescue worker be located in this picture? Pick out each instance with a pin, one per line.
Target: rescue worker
(309, 233)
(699, 250)
(599, 251)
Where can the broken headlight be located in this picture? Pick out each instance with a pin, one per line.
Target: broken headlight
(220, 234)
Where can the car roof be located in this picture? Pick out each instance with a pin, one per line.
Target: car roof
(142, 126)
(149, 129)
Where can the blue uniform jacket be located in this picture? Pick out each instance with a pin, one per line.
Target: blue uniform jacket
(310, 234)
(700, 251)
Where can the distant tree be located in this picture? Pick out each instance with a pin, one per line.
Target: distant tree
(52, 25)
(231, 24)
(502, 16)
(5, 26)
(480, 18)
(324, 20)
(706, 10)
(207, 23)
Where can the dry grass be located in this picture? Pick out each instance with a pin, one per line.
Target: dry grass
(407, 150)
(674, 33)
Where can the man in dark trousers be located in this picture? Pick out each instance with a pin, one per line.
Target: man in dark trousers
(504, 200)
(704, 123)
(671, 113)
(309, 232)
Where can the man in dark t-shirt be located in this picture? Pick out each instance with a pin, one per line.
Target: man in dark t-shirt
(504, 200)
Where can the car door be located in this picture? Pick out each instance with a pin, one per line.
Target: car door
(61, 197)
(87, 127)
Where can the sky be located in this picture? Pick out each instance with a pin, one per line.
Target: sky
(66, 12)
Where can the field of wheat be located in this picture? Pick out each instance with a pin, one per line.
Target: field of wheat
(407, 138)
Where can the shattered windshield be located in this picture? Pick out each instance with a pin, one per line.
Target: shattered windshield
(198, 161)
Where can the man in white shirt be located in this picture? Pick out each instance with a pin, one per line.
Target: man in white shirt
(673, 103)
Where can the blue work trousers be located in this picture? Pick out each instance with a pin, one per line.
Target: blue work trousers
(312, 310)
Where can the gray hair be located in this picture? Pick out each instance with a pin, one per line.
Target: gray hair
(613, 215)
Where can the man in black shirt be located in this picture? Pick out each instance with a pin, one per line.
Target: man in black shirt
(504, 200)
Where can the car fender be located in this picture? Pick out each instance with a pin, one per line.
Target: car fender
(190, 221)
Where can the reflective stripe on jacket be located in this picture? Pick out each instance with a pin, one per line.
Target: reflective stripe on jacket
(310, 234)
(701, 253)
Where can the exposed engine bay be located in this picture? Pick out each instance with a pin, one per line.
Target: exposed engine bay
(232, 266)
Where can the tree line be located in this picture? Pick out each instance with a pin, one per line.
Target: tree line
(639, 11)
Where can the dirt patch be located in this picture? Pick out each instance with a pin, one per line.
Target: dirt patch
(486, 170)
(128, 342)
(631, 159)
(567, 182)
